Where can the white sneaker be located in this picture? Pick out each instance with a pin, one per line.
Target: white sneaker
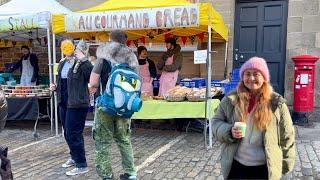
(77, 171)
(69, 163)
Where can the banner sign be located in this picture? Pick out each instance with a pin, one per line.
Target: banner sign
(23, 22)
(152, 18)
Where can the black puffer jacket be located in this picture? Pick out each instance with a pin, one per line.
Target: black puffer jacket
(78, 93)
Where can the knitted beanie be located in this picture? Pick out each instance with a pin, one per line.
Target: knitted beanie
(83, 47)
(256, 63)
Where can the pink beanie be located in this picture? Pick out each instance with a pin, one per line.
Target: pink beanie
(258, 64)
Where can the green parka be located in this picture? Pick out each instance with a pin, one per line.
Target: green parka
(279, 137)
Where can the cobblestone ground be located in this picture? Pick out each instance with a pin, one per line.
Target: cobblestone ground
(17, 134)
(159, 154)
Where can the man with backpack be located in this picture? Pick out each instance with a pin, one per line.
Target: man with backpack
(109, 122)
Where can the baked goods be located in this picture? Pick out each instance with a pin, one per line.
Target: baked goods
(199, 94)
(26, 91)
(177, 93)
(146, 96)
(158, 97)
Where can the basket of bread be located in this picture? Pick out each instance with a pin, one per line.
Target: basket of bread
(199, 94)
(177, 94)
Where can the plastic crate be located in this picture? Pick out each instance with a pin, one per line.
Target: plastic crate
(235, 75)
(230, 87)
(187, 83)
(217, 83)
(198, 82)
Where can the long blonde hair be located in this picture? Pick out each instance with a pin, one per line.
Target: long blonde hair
(262, 113)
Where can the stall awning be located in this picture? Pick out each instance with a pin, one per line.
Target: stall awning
(207, 16)
(22, 20)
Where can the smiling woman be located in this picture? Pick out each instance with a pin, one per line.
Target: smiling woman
(252, 151)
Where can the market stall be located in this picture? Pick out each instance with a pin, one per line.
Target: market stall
(27, 21)
(149, 21)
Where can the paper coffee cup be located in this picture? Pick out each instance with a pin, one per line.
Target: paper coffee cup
(242, 126)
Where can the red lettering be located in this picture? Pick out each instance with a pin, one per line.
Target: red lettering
(81, 23)
(145, 20)
(159, 21)
(177, 17)
(193, 16)
(185, 17)
(167, 18)
(97, 22)
(131, 21)
(103, 22)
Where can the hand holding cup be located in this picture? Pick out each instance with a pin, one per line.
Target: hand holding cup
(239, 130)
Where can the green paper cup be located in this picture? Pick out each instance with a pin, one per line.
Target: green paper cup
(242, 126)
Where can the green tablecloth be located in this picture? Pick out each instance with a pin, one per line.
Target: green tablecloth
(156, 109)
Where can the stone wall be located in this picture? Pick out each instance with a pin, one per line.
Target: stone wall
(12, 55)
(303, 37)
(226, 8)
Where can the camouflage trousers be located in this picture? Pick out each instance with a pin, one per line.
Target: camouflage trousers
(105, 129)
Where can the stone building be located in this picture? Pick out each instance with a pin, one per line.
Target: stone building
(276, 30)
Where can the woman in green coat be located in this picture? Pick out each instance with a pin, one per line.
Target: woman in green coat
(263, 145)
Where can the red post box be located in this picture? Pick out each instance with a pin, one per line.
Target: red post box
(304, 81)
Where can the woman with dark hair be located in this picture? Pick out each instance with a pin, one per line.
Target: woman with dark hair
(255, 128)
(29, 67)
(170, 63)
(147, 69)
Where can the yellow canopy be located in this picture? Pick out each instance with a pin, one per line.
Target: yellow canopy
(208, 16)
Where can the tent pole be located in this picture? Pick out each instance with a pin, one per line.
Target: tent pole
(209, 98)
(225, 60)
(50, 76)
(55, 82)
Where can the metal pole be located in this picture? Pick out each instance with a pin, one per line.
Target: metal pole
(55, 82)
(209, 98)
(50, 76)
(225, 60)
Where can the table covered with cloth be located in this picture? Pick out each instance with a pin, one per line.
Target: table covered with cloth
(160, 109)
(27, 108)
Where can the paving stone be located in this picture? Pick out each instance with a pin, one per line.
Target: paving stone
(192, 174)
(210, 178)
(308, 178)
(306, 171)
(297, 174)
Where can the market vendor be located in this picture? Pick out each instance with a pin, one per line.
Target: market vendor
(148, 70)
(170, 64)
(29, 68)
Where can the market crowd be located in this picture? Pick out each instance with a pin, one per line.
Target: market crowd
(253, 122)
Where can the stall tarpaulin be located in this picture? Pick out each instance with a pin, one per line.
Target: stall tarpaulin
(208, 16)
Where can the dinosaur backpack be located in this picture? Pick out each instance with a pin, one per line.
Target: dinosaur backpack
(122, 94)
